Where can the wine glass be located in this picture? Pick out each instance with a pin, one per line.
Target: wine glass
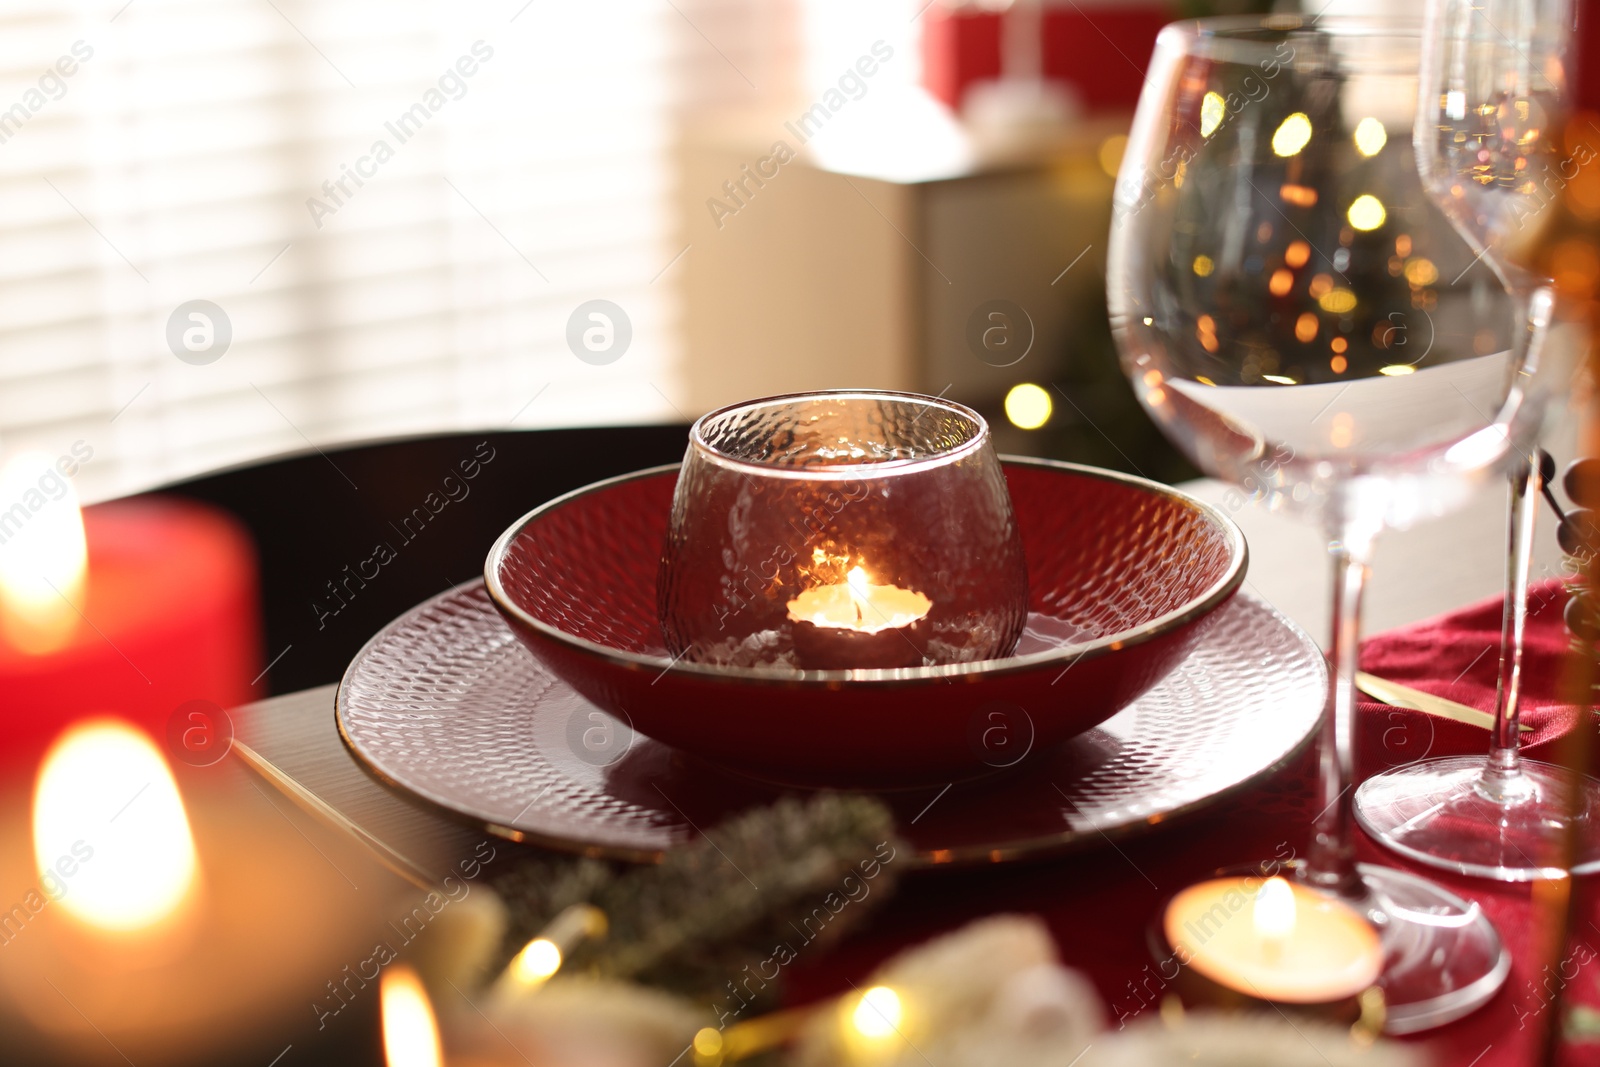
(1296, 313)
(1487, 141)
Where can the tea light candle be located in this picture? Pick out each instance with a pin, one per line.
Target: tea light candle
(1274, 940)
(138, 909)
(856, 623)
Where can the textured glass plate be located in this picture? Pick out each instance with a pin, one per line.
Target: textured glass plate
(447, 704)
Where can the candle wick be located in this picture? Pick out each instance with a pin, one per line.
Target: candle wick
(859, 616)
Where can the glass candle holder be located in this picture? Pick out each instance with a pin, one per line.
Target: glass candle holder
(842, 530)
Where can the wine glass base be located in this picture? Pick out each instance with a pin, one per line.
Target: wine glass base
(1441, 813)
(1443, 958)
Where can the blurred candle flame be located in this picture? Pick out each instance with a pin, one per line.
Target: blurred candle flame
(44, 557)
(109, 828)
(410, 1031)
(1274, 911)
(538, 961)
(877, 1013)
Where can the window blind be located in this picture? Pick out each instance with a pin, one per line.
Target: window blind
(396, 208)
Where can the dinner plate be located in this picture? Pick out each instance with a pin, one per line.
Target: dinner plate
(445, 703)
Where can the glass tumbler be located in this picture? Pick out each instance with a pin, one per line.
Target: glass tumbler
(848, 530)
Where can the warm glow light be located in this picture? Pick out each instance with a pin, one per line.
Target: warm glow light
(1367, 212)
(878, 1012)
(1298, 195)
(1212, 112)
(410, 1032)
(1370, 136)
(1420, 272)
(1395, 370)
(1111, 150)
(1280, 379)
(1028, 406)
(1282, 281)
(1337, 301)
(1293, 134)
(1204, 265)
(105, 791)
(538, 960)
(1306, 327)
(44, 560)
(1297, 254)
(1274, 911)
(708, 1043)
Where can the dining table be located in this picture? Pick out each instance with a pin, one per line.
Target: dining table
(314, 515)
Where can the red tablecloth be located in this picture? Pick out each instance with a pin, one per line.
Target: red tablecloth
(1100, 904)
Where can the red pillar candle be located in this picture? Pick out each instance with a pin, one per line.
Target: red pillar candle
(165, 613)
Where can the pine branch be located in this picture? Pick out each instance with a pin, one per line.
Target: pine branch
(720, 917)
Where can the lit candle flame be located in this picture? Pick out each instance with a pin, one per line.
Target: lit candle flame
(877, 1013)
(538, 961)
(44, 557)
(106, 808)
(541, 958)
(1275, 911)
(858, 604)
(410, 1031)
(860, 589)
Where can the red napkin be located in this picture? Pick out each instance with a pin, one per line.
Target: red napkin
(1457, 656)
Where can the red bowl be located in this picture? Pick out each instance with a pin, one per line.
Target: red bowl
(1123, 573)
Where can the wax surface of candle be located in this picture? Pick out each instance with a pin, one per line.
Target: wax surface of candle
(857, 604)
(167, 613)
(1284, 943)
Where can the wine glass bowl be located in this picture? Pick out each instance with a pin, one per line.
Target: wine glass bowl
(1493, 96)
(1291, 277)
(1125, 577)
(839, 530)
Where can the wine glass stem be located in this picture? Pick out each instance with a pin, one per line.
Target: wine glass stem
(1331, 864)
(1503, 780)
(1504, 773)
